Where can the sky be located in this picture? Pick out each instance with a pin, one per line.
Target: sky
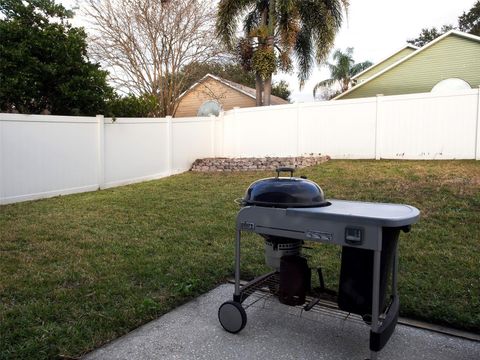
(378, 28)
(375, 29)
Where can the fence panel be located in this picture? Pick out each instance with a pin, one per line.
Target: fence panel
(191, 139)
(342, 129)
(44, 156)
(258, 132)
(428, 126)
(135, 150)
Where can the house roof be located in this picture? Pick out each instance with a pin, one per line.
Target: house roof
(408, 46)
(248, 91)
(408, 57)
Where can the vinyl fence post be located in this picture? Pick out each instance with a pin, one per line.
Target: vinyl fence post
(477, 130)
(101, 151)
(212, 135)
(1, 163)
(169, 150)
(377, 120)
(221, 142)
(298, 129)
(235, 132)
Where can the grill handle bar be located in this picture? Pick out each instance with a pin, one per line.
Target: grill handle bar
(291, 170)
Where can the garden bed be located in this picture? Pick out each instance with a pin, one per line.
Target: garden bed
(254, 164)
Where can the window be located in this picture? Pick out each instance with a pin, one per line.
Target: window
(451, 84)
(210, 107)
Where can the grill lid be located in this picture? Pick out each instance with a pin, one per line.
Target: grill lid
(285, 192)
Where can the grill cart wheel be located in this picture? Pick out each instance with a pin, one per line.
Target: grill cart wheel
(232, 316)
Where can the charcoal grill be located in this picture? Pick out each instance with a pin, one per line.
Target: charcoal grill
(287, 211)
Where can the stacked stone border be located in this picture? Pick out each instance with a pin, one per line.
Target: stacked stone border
(252, 164)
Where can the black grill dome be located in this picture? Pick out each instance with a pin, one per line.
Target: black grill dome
(285, 192)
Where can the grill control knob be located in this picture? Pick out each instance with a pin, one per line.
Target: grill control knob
(354, 235)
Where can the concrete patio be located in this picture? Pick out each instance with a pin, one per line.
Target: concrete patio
(273, 331)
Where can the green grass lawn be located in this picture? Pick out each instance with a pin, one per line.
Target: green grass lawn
(80, 270)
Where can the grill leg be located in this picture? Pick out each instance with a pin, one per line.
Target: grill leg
(236, 295)
(375, 296)
(395, 271)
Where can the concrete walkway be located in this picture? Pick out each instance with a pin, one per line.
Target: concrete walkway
(273, 331)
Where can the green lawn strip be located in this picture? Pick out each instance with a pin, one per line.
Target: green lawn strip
(80, 270)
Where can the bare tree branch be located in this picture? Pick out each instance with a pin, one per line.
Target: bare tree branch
(146, 44)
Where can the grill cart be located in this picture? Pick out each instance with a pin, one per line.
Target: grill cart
(288, 211)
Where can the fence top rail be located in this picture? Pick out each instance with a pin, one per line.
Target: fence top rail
(191, 119)
(367, 100)
(422, 96)
(295, 106)
(114, 121)
(35, 118)
(47, 118)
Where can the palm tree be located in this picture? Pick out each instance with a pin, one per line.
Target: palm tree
(342, 71)
(275, 31)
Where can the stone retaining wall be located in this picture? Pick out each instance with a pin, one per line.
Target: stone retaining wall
(251, 164)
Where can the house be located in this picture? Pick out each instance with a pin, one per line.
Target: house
(449, 62)
(383, 64)
(211, 94)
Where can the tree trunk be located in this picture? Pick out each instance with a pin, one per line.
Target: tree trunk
(268, 91)
(258, 88)
(260, 83)
(346, 83)
(268, 81)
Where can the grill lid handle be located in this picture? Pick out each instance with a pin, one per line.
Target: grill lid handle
(291, 170)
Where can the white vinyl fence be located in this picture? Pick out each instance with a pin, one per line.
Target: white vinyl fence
(417, 126)
(42, 156)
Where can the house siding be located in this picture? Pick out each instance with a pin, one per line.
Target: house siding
(452, 57)
(375, 69)
(211, 89)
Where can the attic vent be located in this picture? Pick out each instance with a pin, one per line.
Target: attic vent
(210, 107)
(451, 84)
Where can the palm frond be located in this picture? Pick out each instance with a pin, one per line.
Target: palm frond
(305, 29)
(357, 68)
(324, 18)
(287, 23)
(227, 19)
(252, 20)
(343, 63)
(323, 84)
(339, 54)
(286, 6)
(304, 54)
(335, 9)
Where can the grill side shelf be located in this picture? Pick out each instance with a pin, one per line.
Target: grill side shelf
(379, 214)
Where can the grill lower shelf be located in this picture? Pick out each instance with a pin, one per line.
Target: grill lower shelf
(261, 292)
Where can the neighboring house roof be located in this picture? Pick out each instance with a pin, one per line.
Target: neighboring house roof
(407, 58)
(248, 91)
(384, 63)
